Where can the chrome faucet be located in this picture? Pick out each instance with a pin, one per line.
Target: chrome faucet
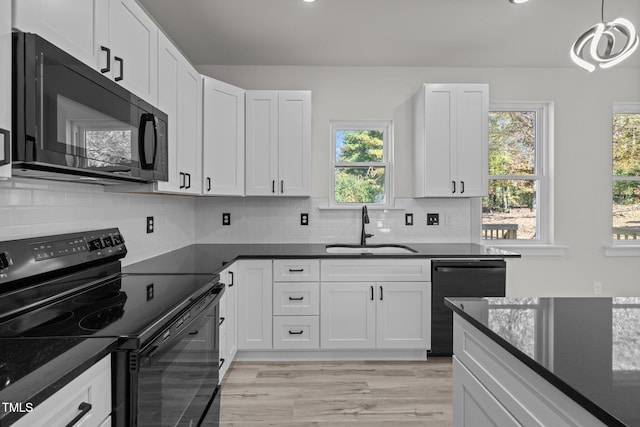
(365, 220)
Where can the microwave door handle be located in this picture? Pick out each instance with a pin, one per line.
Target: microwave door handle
(144, 118)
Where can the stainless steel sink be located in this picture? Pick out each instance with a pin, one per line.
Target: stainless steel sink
(369, 249)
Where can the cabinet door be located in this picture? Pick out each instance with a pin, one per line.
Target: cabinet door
(403, 315)
(5, 88)
(169, 59)
(473, 404)
(294, 143)
(133, 38)
(440, 132)
(261, 143)
(254, 305)
(347, 315)
(76, 26)
(190, 129)
(232, 312)
(471, 167)
(223, 139)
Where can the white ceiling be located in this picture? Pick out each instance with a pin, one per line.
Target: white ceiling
(482, 33)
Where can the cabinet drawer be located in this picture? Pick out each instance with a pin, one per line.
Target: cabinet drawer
(376, 270)
(92, 387)
(296, 270)
(296, 332)
(296, 299)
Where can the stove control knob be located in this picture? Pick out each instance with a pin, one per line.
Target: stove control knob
(5, 261)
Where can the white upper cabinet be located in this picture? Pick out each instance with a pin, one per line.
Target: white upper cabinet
(278, 143)
(180, 97)
(190, 129)
(169, 59)
(451, 140)
(223, 139)
(5, 88)
(77, 26)
(115, 37)
(133, 40)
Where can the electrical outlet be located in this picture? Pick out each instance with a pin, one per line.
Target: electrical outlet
(226, 218)
(408, 219)
(433, 219)
(149, 291)
(150, 224)
(597, 288)
(304, 219)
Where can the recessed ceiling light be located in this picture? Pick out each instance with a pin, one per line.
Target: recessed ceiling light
(518, 1)
(309, 1)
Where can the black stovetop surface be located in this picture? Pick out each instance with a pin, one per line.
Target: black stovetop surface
(124, 306)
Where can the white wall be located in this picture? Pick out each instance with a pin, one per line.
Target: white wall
(582, 154)
(38, 208)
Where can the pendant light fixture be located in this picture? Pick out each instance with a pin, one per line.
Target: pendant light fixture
(605, 44)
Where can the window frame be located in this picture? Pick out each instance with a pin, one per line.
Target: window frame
(622, 108)
(386, 126)
(542, 173)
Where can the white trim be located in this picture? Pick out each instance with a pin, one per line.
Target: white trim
(622, 247)
(386, 126)
(543, 175)
(617, 249)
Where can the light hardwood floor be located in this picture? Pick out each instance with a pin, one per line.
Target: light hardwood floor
(338, 394)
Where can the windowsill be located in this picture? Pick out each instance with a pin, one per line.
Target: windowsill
(529, 249)
(370, 207)
(622, 250)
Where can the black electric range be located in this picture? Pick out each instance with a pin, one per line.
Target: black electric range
(72, 286)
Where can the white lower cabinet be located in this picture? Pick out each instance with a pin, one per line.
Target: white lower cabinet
(371, 315)
(296, 332)
(90, 391)
(491, 387)
(362, 307)
(255, 306)
(477, 407)
(228, 339)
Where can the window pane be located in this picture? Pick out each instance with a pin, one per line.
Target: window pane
(509, 212)
(359, 146)
(512, 139)
(359, 185)
(626, 144)
(626, 210)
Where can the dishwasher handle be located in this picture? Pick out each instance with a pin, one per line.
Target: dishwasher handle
(475, 268)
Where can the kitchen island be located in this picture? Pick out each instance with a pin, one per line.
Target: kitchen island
(546, 361)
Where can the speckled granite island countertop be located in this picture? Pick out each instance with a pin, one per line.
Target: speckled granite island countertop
(33, 369)
(588, 348)
(211, 258)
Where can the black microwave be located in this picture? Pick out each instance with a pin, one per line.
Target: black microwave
(71, 123)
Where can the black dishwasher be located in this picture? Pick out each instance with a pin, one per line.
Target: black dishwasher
(460, 278)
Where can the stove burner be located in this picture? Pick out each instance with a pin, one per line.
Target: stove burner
(92, 297)
(39, 320)
(102, 318)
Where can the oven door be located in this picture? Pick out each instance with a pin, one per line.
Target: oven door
(177, 380)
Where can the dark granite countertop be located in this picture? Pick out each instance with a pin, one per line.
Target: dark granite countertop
(33, 369)
(211, 258)
(589, 348)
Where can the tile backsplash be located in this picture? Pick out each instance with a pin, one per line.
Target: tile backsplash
(277, 220)
(37, 207)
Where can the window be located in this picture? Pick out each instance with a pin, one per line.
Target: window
(361, 163)
(517, 207)
(626, 173)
